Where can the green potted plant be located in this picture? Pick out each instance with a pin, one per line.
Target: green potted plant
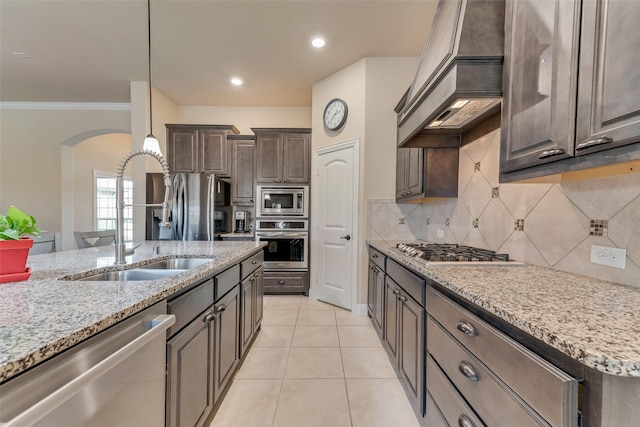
(15, 226)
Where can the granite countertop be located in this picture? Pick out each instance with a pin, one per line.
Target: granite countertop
(43, 316)
(593, 321)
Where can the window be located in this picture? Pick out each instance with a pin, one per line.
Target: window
(106, 204)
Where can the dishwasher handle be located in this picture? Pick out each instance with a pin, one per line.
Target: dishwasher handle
(44, 407)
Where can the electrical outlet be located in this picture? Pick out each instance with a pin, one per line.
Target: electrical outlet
(440, 234)
(611, 257)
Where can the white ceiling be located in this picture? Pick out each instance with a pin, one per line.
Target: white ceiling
(89, 50)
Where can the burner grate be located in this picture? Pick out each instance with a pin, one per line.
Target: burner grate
(435, 252)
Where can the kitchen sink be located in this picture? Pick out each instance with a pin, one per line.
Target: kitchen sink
(176, 264)
(134, 275)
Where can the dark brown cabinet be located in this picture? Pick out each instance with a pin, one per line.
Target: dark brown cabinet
(199, 148)
(427, 172)
(541, 57)
(283, 156)
(251, 300)
(227, 337)
(568, 94)
(376, 290)
(284, 282)
(243, 176)
(404, 327)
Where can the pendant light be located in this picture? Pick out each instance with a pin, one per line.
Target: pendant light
(150, 142)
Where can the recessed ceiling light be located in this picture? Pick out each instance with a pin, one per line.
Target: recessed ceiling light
(318, 41)
(237, 81)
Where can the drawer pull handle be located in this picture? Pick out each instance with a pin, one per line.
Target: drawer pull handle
(468, 371)
(280, 282)
(552, 152)
(209, 317)
(221, 308)
(592, 142)
(464, 421)
(467, 328)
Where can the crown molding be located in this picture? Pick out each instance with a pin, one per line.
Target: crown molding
(93, 106)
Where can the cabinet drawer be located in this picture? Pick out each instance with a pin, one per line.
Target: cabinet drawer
(412, 284)
(189, 305)
(285, 281)
(226, 280)
(249, 265)
(548, 390)
(433, 417)
(377, 257)
(489, 397)
(451, 405)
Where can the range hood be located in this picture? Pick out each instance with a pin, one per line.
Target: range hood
(459, 78)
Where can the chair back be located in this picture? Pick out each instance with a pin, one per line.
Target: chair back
(90, 239)
(46, 243)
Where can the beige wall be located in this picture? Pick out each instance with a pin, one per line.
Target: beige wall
(101, 153)
(371, 87)
(245, 118)
(32, 148)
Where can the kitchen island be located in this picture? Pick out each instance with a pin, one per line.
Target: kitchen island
(586, 326)
(45, 315)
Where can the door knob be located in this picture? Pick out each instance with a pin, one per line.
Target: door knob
(347, 237)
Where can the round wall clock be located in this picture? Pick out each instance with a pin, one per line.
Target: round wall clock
(335, 114)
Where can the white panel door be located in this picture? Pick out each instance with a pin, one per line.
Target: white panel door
(336, 203)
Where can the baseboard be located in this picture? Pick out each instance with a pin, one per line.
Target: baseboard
(361, 310)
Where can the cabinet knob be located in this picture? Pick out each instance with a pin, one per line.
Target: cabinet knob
(221, 308)
(396, 291)
(281, 282)
(209, 317)
(467, 370)
(464, 421)
(374, 256)
(402, 298)
(256, 275)
(467, 328)
(254, 261)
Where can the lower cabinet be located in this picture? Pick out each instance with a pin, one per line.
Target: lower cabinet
(216, 321)
(227, 336)
(404, 326)
(286, 282)
(375, 299)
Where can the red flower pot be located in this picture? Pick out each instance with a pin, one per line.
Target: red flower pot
(13, 255)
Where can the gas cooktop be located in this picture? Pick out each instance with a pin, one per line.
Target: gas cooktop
(451, 253)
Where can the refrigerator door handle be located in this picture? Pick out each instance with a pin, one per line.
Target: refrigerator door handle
(210, 195)
(178, 212)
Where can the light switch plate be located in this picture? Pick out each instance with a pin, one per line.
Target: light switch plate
(610, 257)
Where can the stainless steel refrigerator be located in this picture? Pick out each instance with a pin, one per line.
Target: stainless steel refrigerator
(199, 207)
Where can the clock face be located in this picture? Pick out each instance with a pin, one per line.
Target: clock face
(335, 114)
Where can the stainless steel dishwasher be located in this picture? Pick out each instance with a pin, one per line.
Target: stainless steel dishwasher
(116, 378)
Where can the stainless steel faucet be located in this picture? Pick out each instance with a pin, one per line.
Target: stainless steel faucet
(121, 252)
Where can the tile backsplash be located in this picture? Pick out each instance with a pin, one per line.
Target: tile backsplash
(551, 225)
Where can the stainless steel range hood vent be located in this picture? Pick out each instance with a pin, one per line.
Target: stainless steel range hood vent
(459, 79)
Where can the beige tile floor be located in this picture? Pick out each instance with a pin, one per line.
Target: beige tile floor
(314, 365)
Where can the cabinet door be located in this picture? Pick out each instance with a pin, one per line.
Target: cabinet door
(391, 292)
(268, 158)
(608, 92)
(258, 287)
(371, 289)
(410, 172)
(190, 394)
(246, 313)
(539, 81)
(412, 349)
(182, 150)
(227, 337)
(378, 304)
(401, 172)
(296, 158)
(243, 179)
(213, 152)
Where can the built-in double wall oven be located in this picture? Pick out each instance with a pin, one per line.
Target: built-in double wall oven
(287, 242)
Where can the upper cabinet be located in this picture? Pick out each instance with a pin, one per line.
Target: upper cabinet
(283, 156)
(243, 176)
(199, 148)
(568, 86)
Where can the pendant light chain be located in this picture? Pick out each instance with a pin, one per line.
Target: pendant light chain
(150, 90)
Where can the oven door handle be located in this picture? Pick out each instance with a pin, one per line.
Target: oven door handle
(281, 234)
